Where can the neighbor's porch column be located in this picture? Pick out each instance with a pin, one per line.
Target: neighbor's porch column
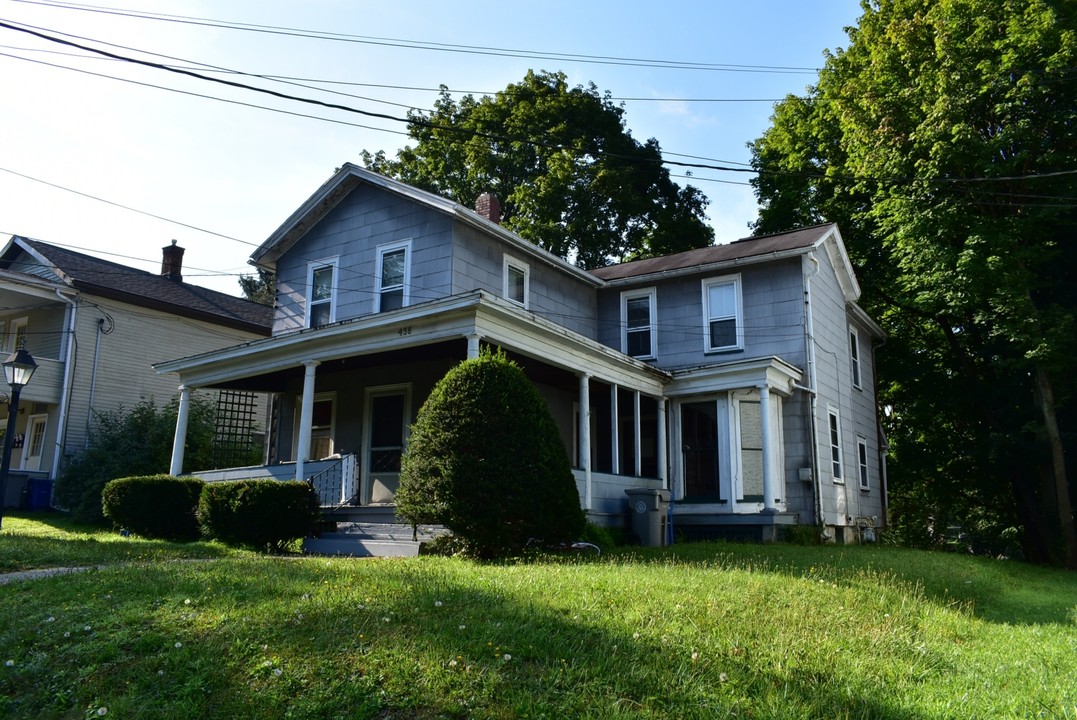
(585, 437)
(473, 345)
(615, 431)
(181, 430)
(769, 504)
(663, 473)
(306, 417)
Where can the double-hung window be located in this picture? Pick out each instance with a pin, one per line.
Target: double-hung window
(854, 356)
(393, 275)
(322, 292)
(834, 426)
(517, 281)
(862, 462)
(724, 328)
(639, 330)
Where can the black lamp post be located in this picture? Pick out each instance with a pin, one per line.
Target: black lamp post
(18, 369)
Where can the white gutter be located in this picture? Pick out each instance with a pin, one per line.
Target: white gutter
(65, 391)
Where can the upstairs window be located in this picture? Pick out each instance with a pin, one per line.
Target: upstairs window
(18, 333)
(854, 356)
(638, 323)
(724, 328)
(393, 276)
(321, 292)
(517, 281)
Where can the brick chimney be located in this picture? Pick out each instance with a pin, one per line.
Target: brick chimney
(172, 262)
(489, 207)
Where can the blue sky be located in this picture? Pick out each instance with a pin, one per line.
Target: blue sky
(225, 169)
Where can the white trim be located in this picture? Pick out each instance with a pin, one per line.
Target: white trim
(405, 287)
(509, 262)
(652, 315)
(709, 317)
(863, 471)
(833, 427)
(312, 267)
(854, 358)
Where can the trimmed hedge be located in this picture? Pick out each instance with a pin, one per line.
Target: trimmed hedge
(154, 506)
(485, 460)
(262, 514)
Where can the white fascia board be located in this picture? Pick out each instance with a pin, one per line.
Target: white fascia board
(513, 328)
(707, 269)
(24, 284)
(839, 258)
(864, 319)
(775, 373)
(22, 243)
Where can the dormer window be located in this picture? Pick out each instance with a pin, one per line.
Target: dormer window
(393, 276)
(321, 298)
(517, 281)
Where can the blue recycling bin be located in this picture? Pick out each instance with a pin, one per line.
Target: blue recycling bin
(39, 494)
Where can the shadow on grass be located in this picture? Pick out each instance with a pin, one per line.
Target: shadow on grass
(375, 639)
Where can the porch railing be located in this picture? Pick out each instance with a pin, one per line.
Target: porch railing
(338, 484)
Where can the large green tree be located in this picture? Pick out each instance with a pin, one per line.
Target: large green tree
(944, 141)
(569, 174)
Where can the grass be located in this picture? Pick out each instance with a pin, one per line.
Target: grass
(694, 631)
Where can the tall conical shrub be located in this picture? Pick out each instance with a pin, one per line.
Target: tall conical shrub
(486, 461)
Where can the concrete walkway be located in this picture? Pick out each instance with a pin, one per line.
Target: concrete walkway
(21, 575)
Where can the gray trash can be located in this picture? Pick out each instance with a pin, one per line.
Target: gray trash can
(648, 508)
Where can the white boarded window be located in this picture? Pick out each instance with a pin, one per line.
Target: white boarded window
(862, 462)
(517, 281)
(751, 450)
(722, 314)
(854, 356)
(638, 325)
(393, 275)
(834, 427)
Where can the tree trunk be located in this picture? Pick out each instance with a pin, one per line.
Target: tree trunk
(1046, 397)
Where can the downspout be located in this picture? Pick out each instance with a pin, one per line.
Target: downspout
(813, 392)
(65, 391)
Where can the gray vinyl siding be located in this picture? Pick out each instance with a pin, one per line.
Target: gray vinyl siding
(773, 316)
(863, 421)
(367, 218)
(478, 264)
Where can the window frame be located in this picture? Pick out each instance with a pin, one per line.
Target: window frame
(652, 326)
(405, 286)
(854, 358)
(508, 264)
(862, 463)
(312, 267)
(737, 317)
(834, 442)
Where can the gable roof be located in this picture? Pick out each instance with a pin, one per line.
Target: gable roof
(334, 190)
(104, 278)
(741, 252)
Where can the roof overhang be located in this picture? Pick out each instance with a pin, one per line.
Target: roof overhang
(770, 372)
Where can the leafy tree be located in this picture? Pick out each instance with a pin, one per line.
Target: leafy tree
(569, 175)
(944, 141)
(126, 443)
(485, 460)
(260, 288)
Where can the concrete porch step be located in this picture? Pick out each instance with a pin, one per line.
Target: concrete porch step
(372, 539)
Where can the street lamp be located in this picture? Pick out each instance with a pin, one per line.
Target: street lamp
(18, 369)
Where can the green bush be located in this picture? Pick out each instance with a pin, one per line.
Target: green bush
(261, 514)
(154, 506)
(485, 460)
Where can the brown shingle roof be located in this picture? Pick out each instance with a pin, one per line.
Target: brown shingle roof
(120, 282)
(738, 250)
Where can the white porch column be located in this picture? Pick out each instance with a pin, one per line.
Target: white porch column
(638, 429)
(663, 470)
(306, 417)
(615, 432)
(769, 505)
(181, 430)
(473, 346)
(585, 437)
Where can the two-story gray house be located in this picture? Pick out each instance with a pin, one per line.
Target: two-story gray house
(739, 377)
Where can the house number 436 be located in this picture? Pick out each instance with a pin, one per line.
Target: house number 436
(406, 330)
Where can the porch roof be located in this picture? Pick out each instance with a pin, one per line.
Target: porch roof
(495, 320)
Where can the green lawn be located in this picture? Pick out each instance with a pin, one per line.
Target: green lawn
(694, 631)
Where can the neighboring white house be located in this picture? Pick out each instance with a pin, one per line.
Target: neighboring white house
(94, 328)
(740, 376)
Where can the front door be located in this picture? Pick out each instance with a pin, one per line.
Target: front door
(699, 440)
(386, 420)
(35, 442)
